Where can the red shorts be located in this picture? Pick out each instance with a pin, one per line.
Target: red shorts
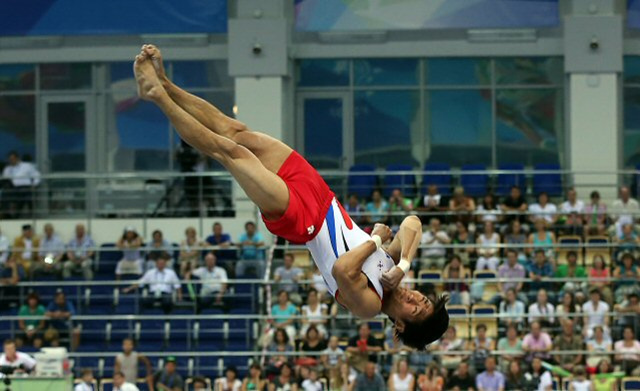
(309, 201)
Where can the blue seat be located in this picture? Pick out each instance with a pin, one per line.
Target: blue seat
(108, 257)
(152, 330)
(180, 330)
(362, 185)
(121, 329)
(405, 182)
(442, 181)
(475, 185)
(211, 331)
(631, 384)
(550, 183)
(93, 330)
(206, 364)
(504, 182)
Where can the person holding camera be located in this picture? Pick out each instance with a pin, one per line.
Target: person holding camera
(12, 361)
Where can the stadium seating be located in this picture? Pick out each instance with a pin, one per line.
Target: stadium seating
(362, 185)
(475, 185)
(504, 182)
(442, 181)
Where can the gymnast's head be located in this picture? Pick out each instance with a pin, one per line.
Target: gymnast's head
(418, 320)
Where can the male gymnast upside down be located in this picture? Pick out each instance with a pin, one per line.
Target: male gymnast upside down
(297, 204)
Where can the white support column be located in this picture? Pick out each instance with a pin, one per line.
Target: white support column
(260, 104)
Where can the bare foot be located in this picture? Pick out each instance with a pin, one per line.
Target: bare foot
(153, 53)
(149, 86)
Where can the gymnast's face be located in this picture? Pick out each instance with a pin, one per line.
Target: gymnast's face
(410, 305)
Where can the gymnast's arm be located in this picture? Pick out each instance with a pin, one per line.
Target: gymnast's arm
(349, 265)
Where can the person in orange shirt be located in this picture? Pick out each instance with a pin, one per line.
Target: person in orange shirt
(25, 248)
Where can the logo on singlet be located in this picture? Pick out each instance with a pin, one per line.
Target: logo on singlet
(311, 229)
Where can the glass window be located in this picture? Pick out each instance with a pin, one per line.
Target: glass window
(529, 125)
(121, 74)
(387, 128)
(531, 70)
(323, 73)
(17, 77)
(632, 69)
(17, 125)
(66, 135)
(223, 100)
(385, 72)
(458, 71)
(459, 122)
(188, 74)
(323, 129)
(631, 127)
(76, 76)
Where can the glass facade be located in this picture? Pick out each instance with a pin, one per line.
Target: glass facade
(631, 112)
(450, 110)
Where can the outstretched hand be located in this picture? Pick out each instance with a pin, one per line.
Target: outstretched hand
(391, 278)
(383, 231)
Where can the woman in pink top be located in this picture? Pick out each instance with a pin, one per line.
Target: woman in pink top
(628, 351)
(598, 277)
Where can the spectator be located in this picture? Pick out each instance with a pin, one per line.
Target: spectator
(514, 307)
(458, 291)
(516, 238)
(451, 343)
(604, 383)
(60, 312)
(280, 344)
(542, 239)
(627, 241)
(88, 382)
(544, 210)
(120, 384)
(572, 270)
(432, 379)
(314, 313)
(540, 270)
(24, 177)
(401, 379)
(312, 383)
(599, 346)
(362, 348)
(80, 252)
(481, 345)
(489, 211)
(514, 205)
(10, 274)
(131, 263)
(465, 239)
(631, 310)
(512, 344)
(579, 382)
(318, 282)
(284, 381)
(50, 254)
(514, 379)
(199, 384)
(542, 311)
(190, 248)
(11, 357)
(214, 282)
(572, 213)
(599, 278)
(4, 249)
(490, 379)
(488, 250)
(127, 363)
(624, 210)
(568, 306)
(223, 240)
(568, 341)
(162, 283)
(369, 380)
(342, 378)
(282, 312)
(511, 269)
(229, 382)
(398, 350)
(333, 355)
(31, 329)
(595, 215)
(399, 206)
(628, 352)
(595, 313)
(539, 378)
(627, 276)
(537, 344)
(433, 241)
(251, 254)
(432, 204)
(313, 343)
(25, 249)
(254, 381)
(377, 209)
(355, 210)
(287, 276)
(157, 246)
(462, 206)
(461, 380)
(168, 379)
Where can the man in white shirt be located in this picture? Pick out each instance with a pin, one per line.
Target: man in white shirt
(595, 314)
(572, 211)
(23, 177)
(213, 279)
(50, 254)
(15, 359)
(119, 384)
(624, 210)
(162, 282)
(434, 240)
(543, 210)
(80, 254)
(4, 249)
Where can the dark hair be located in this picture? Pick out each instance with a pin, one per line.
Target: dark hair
(86, 371)
(164, 255)
(248, 223)
(511, 251)
(9, 342)
(119, 373)
(420, 334)
(512, 326)
(572, 253)
(543, 193)
(481, 326)
(232, 369)
(485, 204)
(290, 255)
(133, 342)
(627, 256)
(312, 328)
(198, 379)
(33, 295)
(594, 194)
(281, 331)
(538, 251)
(13, 153)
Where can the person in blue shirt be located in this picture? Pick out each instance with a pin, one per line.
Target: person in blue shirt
(10, 274)
(60, 311)
(282, 312)
(540, 269)
(219, 238)
(251, 251)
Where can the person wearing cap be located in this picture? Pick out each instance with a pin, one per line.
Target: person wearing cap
(168, 379)
(162, 282)
(25, 248)
(132, 261)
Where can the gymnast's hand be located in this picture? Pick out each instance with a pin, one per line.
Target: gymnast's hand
(391, 278)
(383, 231)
